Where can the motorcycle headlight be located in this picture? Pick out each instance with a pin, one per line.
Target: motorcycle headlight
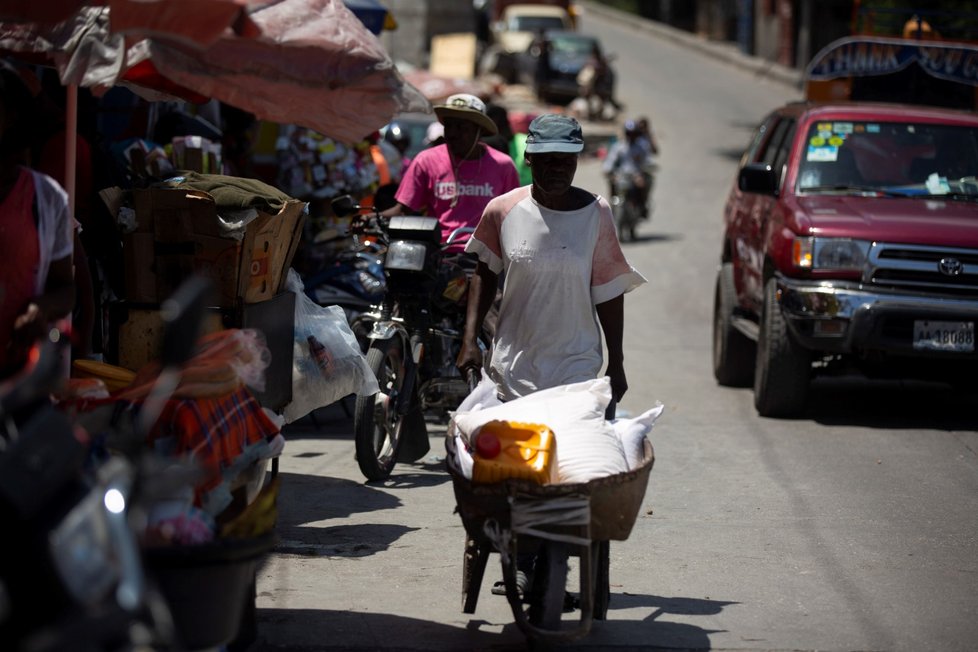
(402, 254)
(82, 550)
(830, 253)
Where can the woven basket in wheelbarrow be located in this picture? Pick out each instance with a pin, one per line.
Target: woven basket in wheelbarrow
(615, 499)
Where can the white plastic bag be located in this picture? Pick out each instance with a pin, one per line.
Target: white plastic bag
(587, 446)
(633, 433)
(327, 363)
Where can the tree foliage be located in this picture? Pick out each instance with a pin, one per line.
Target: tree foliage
(951, 19)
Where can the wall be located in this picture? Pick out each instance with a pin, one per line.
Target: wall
(419, 21)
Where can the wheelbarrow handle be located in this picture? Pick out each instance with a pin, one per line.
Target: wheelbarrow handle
(472, 377)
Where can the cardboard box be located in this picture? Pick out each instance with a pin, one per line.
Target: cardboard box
(178, 233)
(140, 334)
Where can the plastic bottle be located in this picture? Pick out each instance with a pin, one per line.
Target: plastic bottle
(319, 354)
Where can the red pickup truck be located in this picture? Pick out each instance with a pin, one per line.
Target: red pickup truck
(850, 245)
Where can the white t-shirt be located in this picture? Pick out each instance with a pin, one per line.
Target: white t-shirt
(55, 225)
(558, 265)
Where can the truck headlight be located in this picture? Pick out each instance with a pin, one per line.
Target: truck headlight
(406, 255)
(830, 253)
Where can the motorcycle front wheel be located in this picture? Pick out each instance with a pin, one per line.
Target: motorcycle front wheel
(377, 427)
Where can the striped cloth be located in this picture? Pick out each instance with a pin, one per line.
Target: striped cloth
(224, 436)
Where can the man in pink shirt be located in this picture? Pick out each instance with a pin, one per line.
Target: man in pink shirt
(454, 181)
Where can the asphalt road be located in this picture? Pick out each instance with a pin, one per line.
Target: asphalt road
(854, 527)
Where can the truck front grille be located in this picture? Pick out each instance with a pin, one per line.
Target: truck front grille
(916, 267)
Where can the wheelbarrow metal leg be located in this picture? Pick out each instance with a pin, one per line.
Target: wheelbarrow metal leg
(601, 554)
(473, 568)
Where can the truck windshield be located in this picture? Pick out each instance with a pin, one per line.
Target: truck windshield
(893, 158)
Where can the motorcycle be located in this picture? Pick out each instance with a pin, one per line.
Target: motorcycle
(71, 570)
(414, 337)
(354, 281)
(631, 193)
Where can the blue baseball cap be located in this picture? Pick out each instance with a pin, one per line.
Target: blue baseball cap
(553, 132)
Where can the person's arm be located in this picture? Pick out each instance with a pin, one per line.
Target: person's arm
(85, 317)
(611, 316)
(482, 292)
(55, 302)
(395, 210)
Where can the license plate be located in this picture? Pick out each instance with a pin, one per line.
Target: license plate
(953, 336)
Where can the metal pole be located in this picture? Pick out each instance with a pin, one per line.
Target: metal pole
(71, 141)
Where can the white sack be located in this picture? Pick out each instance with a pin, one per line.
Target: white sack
(587, 446)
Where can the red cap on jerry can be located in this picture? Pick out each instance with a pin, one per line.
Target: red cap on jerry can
(487, 445)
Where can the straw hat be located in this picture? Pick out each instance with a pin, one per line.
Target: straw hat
(467, 107)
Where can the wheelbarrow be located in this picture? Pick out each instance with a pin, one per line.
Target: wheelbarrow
(554, 521)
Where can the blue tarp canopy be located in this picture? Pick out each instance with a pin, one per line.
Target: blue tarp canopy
(370, 12)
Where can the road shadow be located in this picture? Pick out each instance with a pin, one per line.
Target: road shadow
(281, 630)
(305, 498)
(729, 153)
(339, 541)
(295, 629)
(645, 238)
(891, 405)
(428, 473)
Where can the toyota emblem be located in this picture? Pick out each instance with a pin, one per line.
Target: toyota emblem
(950, 266)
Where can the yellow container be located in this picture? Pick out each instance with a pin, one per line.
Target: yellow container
(525, 451)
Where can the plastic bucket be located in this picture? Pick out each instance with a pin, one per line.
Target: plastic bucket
(207, 586)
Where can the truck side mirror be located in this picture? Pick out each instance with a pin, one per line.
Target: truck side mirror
(758, 178)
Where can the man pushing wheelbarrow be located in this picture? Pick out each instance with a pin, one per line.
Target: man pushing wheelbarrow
(565, 280)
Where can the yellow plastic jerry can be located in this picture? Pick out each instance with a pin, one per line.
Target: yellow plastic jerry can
(507, 449)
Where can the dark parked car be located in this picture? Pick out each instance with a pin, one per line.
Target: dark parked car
(850, 244)
(569, 53)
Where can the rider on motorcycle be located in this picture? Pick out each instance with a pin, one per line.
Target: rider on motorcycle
(629, 166)
(454, 181)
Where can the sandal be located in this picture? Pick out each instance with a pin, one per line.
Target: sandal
(522, 584)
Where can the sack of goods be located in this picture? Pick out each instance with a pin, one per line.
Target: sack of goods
(557, 435)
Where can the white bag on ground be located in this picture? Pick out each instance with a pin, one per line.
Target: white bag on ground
(327, 363)
(587, 446)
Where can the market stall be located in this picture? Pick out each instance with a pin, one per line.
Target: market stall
(179, 218)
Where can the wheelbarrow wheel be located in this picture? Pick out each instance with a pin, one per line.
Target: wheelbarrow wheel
(601, 554)
(548, 586)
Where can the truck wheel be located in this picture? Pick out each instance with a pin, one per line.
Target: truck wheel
(783, 368)
(733, 352)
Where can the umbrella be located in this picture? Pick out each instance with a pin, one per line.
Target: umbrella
(314, 64)
(437, 88)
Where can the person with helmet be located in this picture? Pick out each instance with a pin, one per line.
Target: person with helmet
(631, 158)
(454, 181)
(398, 136)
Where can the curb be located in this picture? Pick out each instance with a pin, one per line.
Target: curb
(722, 51)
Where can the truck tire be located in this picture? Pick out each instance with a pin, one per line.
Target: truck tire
(783, 371)
(733, 352)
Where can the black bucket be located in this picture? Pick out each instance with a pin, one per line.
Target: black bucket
(207, 586)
